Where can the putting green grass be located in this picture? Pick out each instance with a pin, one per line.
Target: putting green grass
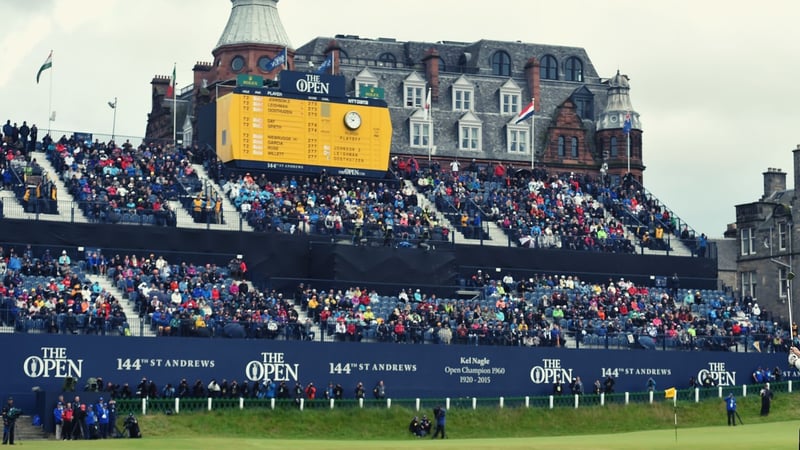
(775, 435)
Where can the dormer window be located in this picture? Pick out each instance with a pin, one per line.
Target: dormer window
(510, 98)
(463, 95)
(413, 91)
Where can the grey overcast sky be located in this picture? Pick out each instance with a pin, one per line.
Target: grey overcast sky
(715, 82)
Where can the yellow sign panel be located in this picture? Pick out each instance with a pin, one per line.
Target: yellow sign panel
(343, 133)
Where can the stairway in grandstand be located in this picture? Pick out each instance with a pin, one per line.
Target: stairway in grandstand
(677, 248)
(231, 215)
(496, 236)
(138, 325)
(67, 212)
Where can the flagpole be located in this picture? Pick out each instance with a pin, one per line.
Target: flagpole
(50, 97)
(429, 116)
(628, 138)
(533, 139)
(629, 125)
(174, 106)
(114, 123)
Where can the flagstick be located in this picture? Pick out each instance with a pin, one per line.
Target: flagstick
(533, 139)
(50, 98)
(174, 107)
(675, 409)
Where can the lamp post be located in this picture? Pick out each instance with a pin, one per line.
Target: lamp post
(789, 278)
(113, 106)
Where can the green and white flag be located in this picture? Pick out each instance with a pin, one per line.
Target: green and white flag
(48, 63)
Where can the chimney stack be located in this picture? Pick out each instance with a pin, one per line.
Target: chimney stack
(774, 181)
(796, 154)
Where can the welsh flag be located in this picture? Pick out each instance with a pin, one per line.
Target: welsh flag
(171, 87)
(48, 63)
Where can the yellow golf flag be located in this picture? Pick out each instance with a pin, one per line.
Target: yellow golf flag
(670, 393)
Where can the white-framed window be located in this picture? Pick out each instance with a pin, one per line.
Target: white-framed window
(510, 103)
(518, 139)
(463, 95)
(413, 91)
(510, 98)
(420, 134)
(783, 235)
(469, 137)
(462, 100)
(783, 282)
(469, 132)
(748, 283)
(414, 97)
(747, 239)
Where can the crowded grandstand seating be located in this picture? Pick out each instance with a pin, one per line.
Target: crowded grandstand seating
(335, 206)
(123, 184)
(535, 209)
(48, 293)
(203, 300)
(51, 293)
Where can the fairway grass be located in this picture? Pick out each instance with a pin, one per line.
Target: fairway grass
(775, 435)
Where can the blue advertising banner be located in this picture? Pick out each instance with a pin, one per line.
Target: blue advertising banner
(307, 83)
(408, 370)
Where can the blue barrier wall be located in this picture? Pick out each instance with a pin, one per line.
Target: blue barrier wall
(408, 370)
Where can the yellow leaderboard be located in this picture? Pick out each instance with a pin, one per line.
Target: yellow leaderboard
(285, 131)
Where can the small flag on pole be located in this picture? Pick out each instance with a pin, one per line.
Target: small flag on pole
(279, 60)
(525, 113)
(48, 63)
(327, 64)
(670, 393)
(112, 105)
(171, 86)
(427, 105)
(627, 125)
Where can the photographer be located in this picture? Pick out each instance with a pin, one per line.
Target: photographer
(10, 415)
(132, 426)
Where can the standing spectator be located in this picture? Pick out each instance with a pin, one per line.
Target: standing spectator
(379, 391)
(338, 392)
(766, 399)
(311, 391)
(34, 136)
(609, 385)
(454, 166)
(730, 407)
(58, 418)
(651, 384)
(577, 386)
(66, 418)
(558, 388)
(9, 422)
(702, 244)
(112, 417)
(79, 419)
(674, 285)
(439, 414)
(597, 387)
(359, 390)
(24, 132)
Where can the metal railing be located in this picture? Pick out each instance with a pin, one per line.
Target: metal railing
(177, 405)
